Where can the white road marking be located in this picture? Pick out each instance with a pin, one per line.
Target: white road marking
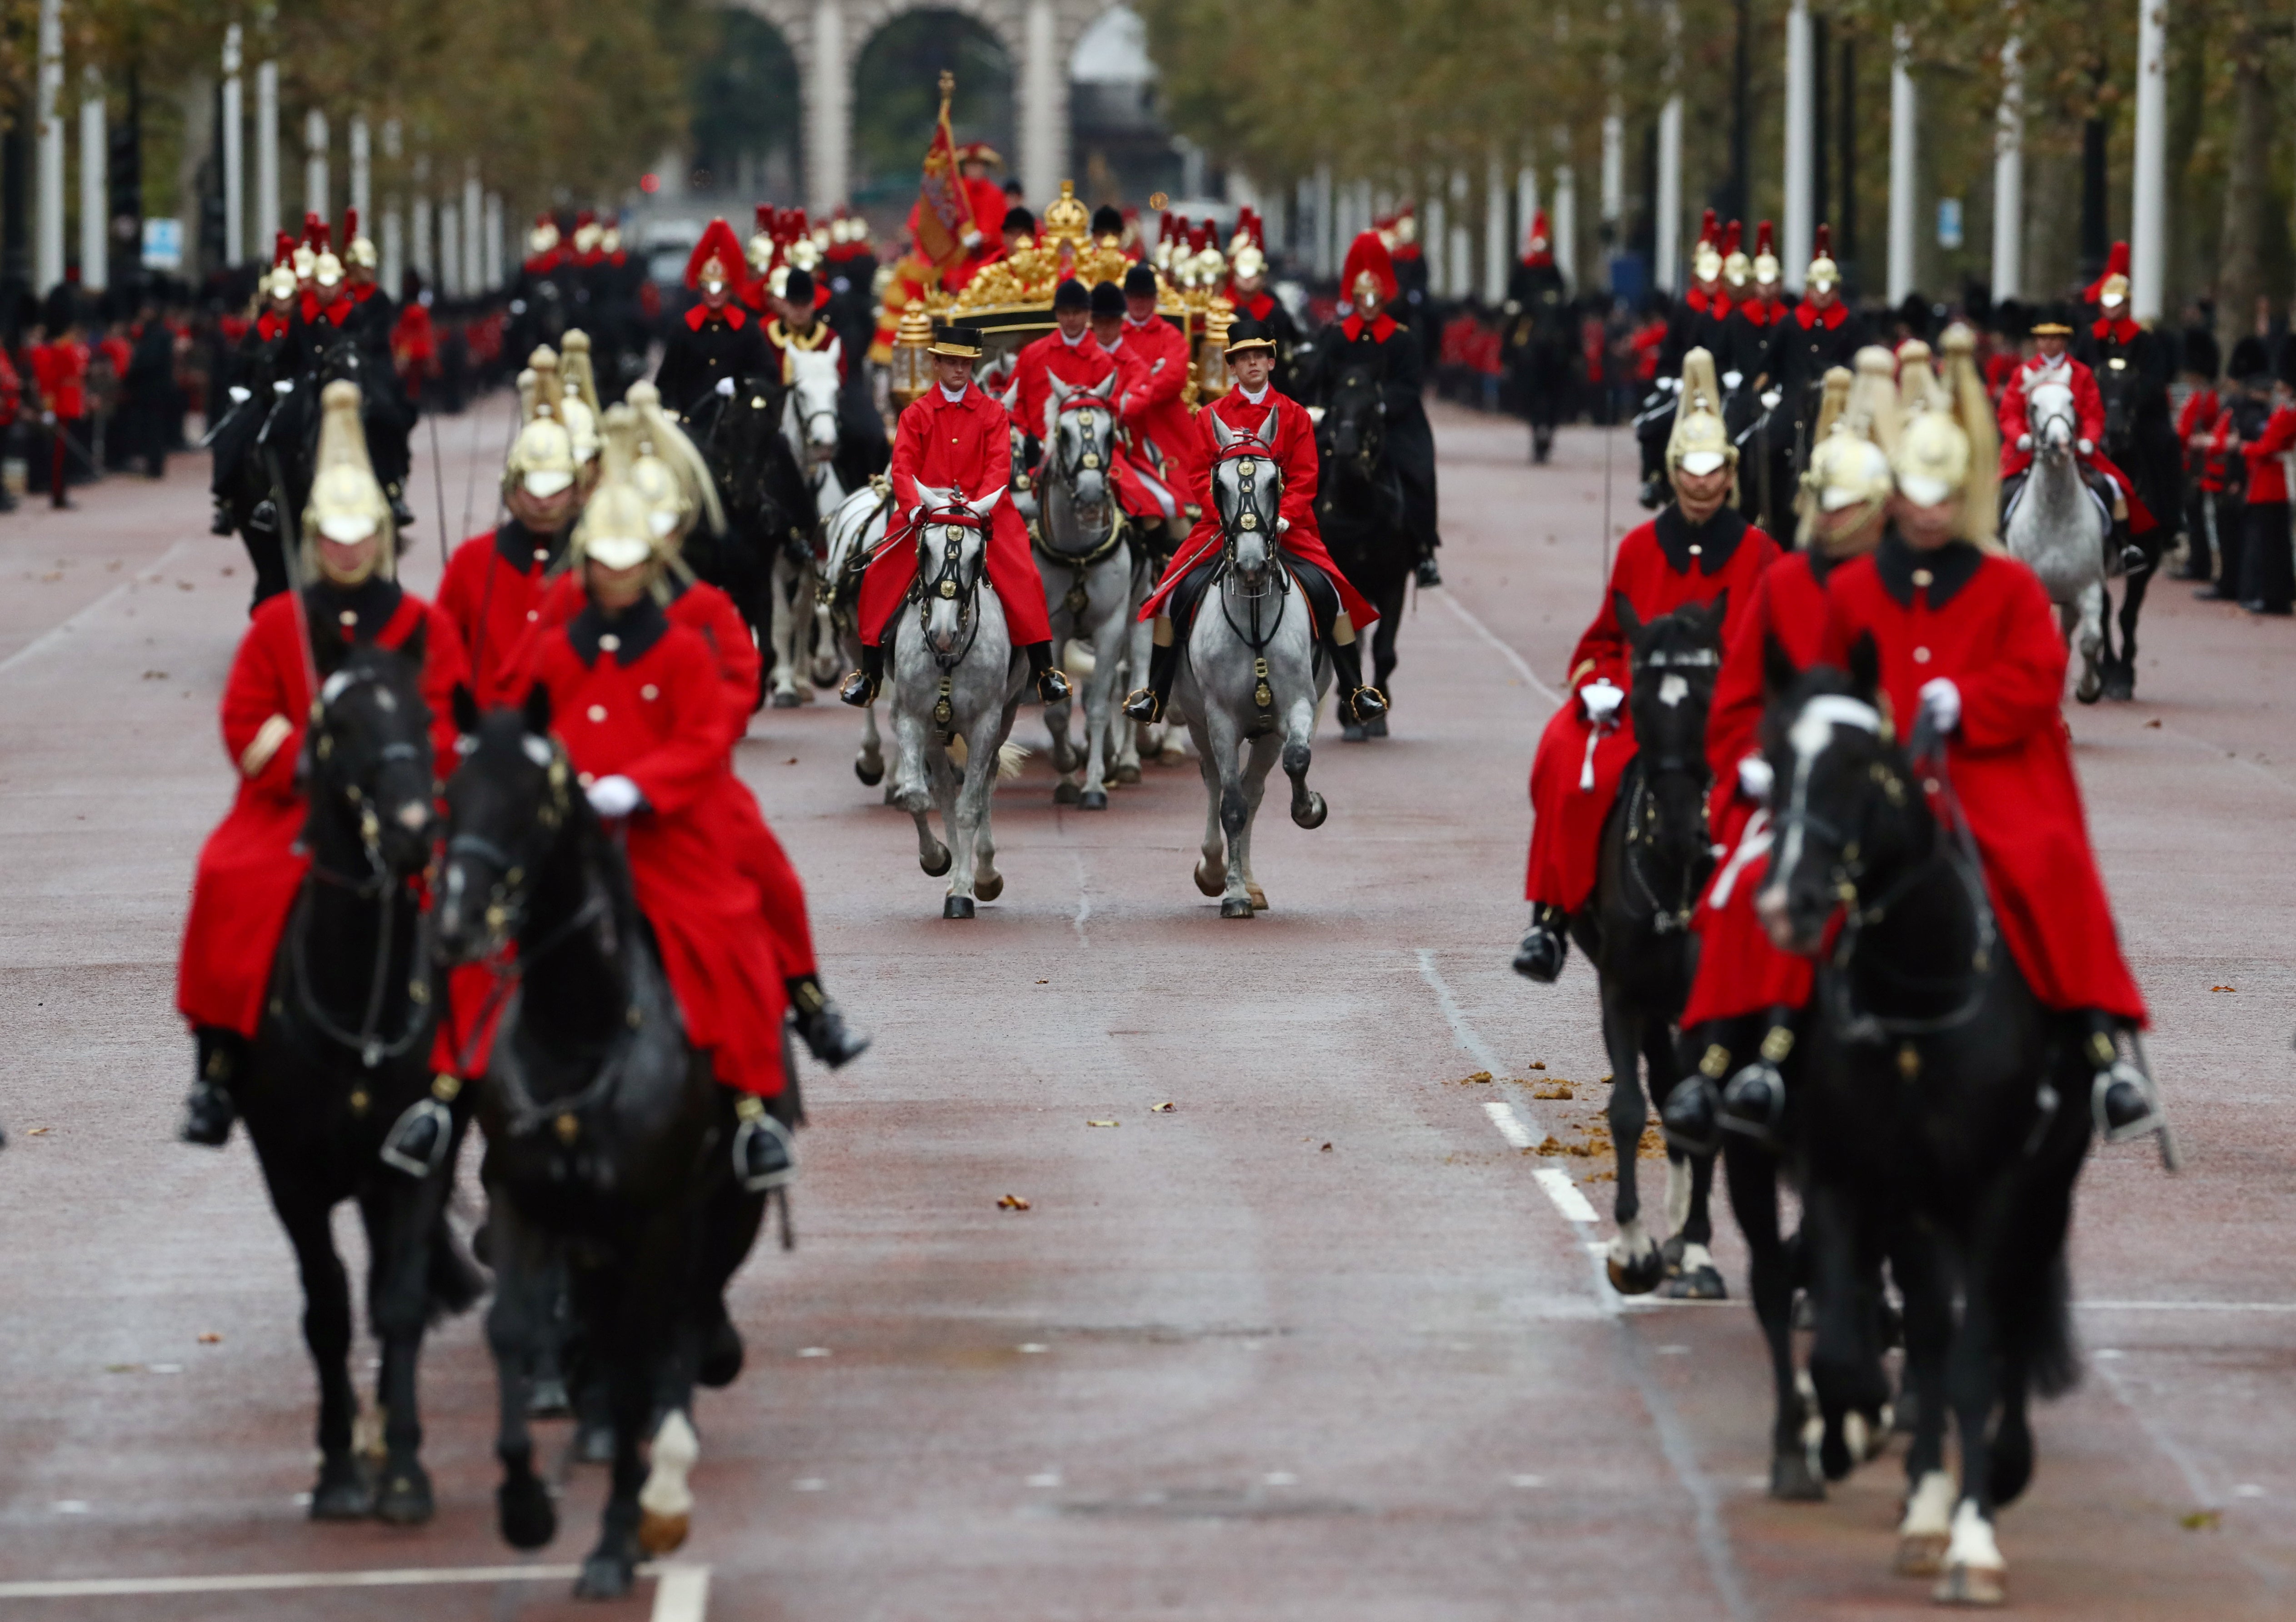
(681, 1593)
(1084, 904)
(1450, 1004)
(809, 1483)
(1523, 669)
(812, 1351)
(1033, 1347)
(1048, 1478)
(1509, 1125)
(2185, 1306)
(1567, 1197)
(1281, 1478)
(56, 633)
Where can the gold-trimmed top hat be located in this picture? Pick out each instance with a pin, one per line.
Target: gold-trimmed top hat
(1700, 443)
(2050, 326)
(956, 342)
(1248, 334)
(347, 503)
(542, 460)
(615, 529)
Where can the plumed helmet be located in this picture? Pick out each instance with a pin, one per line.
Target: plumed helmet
(1823, 271)
(1917, 378)
(1367, 257)
(1963, 387)
(1700, 443)
(1872, 403)
(1706, 258)
(662, 442)
(716, 257)
(1736, 267)
(2111, 288)
(541, 460)
(581, 387)
(615, 529)
(346, 503)
(543, 237)
(1767, 270)
(1932, 458)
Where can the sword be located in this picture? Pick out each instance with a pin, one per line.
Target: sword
(437, 483)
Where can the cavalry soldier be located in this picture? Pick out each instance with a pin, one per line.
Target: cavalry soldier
(1340, 610)
(1369, 336)
(539, 301)
(1809, 340)
(2118, 351)
(1071, 353)
(954, 437)
(1967, 639)
(1247, 290)
(2204, 479)
(1539, 341)
(1695, 323)
(259, 361)
(252, 866)
(1159, 433)
(717, 342)
(372, 319)
(324, 311)
(493, 586)
(1699, 548)
(799, 325)
(2050, 363)
(1753, 326)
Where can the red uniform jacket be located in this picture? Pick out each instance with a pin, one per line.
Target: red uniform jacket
(1081, 364)
(1985, 623)
(250, 866)
(2088, 406)
(492, 590)
(1161, 430)
(1658, 571)
(61, 370)
(2197, 422)
(1294, 452)
(965, 446)
(652, 709)
(1739, 971)
(2268, 471)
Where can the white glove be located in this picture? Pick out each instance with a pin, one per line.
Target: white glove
(285, 385)
(1600, 700)
(2024, 442)
(1731, 380)
(1282, 526)
(1941, 702)
(239, 396)
(1315, 414)
(970, 237)
(726, 388)
(615, 797)
(1770, 398)
(1755, 778)
(2088, 448)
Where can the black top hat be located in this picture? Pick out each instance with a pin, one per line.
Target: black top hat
(1020, 220)
(956, 342)
(1072, 295)
(798, 289)
(1140, 282)
(1107, 221)
(1249, 334)
(1107, 299)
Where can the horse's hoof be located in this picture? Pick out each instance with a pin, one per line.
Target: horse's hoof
(605, 1577)
(1669, 1253)
(721, 1357)
(2120, 682)
(1791, 1479)
(1698, 1284)
(1128, 772)
(988, 887)
(524, 1512)
(786, 699)
(2089, 691)
(1237, 906)
(547, 1400)
(1210, 880)
(1312, 813)
(343, 1492)
(404, 1498)
(1066, 793)
(1258, 897)
(1966, 1585)
(1376, 727)
(957, 906)
(660, 1534)
(1093, 799)
(937, 863)
(1351, 732)
(870, 776)
(1920, 1554)
(1637, 1276)
(594, 1442)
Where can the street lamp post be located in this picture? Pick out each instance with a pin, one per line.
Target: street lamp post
(95, 205)
(2147, 248)
(48, 269)
(235, 152)
(1801, 146)
(1904, 112)
(266, 161)
(315, 163)
(2009, 179)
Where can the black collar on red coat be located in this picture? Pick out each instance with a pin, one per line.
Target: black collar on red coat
(637, 628)
(1949, 568)
(1716, 540)
(516, 546)
(369, 605)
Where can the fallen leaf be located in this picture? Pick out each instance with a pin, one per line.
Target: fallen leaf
(208, 1337)
(155, 675)
(1478, 1076)
(2202, 1520)
(2155, 721)
(37, 1131)
(1044, 982)
(227, 568)
(123, 1368)
(53, 575)
(790, 761)
(1012, 1202)
(1560, 1089)
(1326, 1149)
(1099, 1123)
(1537, 1065)
(2223, 989)
(184, 586)
(1163, 1109)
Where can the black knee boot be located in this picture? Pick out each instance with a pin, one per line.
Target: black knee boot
(1754, 1103)
(1691, 1117)
(1544, 947)
(1051, 684)
(1146, 704)
(209, 1110)
(1357, 702)
(821, 1023)
(2121, 1095)
(860, 687)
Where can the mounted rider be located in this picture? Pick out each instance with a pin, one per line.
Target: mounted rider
(1369, 336)
(1818, 335)
(717, 342)
(798, 325)
(1159, 432)
(954, 437)
(1969, 645)
(259, 362)
(2120, 350)
(1699, 548)
(252, 865)
(2052, 363)
(1071, 354)
(1539, 337)
(1247, 290)
(1340, 611)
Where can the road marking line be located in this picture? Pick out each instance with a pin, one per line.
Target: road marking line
(1450, 1004)
(56, 633)
(1566, 1196)
(681, 1593)
(1523, 669)
(2186, 1305)
(1509, 1123)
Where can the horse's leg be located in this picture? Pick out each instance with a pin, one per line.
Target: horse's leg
(1223, 758)
(988, 883)
(518, 1328)
(1974, 1569)
(1845, 1359)
(1211, 867)
(1108, 638)
(911, 789)
(1917, 1264)
(400, 1214)
(2120, 676)
(635, 1313)
(1132, 638)
(963, 797)
(1634, 1264)
(343, 1492)
(1258, 760)
(1752, 1173)
(781, 606)
(2091, 643)
(1307, 807)
(1382, 655)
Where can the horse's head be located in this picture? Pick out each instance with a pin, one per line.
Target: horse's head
(1675, 659)
(952, 536)
(2051, 420)
(2117, 382)
(1845, 809)
(1354, 428)
(507, 805)
(1079, 435)
(368, 758)
(812, 389)
(1247, 493)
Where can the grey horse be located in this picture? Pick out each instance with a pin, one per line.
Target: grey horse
(1252, 681)
(809, 428)
(1085, 561)
(955, 677)
(2057, 528)
(850, 536)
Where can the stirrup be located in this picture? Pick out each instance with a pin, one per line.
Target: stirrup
(418, 1140)
(2141, 1125)
(1053, 685)
(858, 690)
(1366, 704)
(1141, 705)
(764, 1156)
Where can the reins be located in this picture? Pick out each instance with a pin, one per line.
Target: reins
(948, 583)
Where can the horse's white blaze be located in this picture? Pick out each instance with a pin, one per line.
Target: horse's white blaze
(1811, 736)
(675, 1452)
(1928, 1511)
(1972, 1544)
(334, 688)
(1672, 690)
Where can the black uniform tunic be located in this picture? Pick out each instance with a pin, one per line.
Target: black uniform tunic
(707, 346)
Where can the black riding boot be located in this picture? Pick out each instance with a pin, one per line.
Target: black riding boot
(1540, 955)
(2121, 1095)
(1051, 684)
(1146, 704)
(1428, 575)
(765, 1155)
(820, 1024)
(860, 686)
(209, 1110)
(1357, 702)
(224, 521)
(1754, 1103)
(1691, 1117)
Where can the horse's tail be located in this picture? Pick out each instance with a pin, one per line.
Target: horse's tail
(2037, 1327)
(455, 1282)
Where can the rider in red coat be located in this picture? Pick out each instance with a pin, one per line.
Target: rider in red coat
(2052, 363)
(1694, 550)
(1968, 638)
(252, 865)
(1069, 353)
(1159, 431)
(1340, 610)
(954, 437)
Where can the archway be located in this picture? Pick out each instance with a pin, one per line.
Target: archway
(747, 115)
(896, 95)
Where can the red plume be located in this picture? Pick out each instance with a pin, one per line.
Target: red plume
(2116, 263)
(1762, 239)
(716, 243)
(1708, 229)
(1369, 253)
(283, 251)
(311, 230)
(1824, 249)
(1731, 239)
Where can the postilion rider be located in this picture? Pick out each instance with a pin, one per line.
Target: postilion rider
(1275, 428)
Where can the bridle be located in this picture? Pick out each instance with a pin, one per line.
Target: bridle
(1666, 918)
(1095, 425)
(1247, 452)
(1371, 433)
(946, 576)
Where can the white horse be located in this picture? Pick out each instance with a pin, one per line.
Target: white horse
(1086, 563)
(1252, 681)
(851, 535)
(956, 679)
(2058, 529)
(809, 428)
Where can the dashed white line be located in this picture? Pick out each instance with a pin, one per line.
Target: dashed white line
(56, 633)
(1509, 1123)
(681, 1593)
(1565, 1194)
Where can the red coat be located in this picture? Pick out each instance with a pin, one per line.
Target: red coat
(1658, 573)
(1985, 622)
(492, 590)
(252, 866)
(2088, 408)
(653, 709)
(1294, 452)
(1739, 971)
(2197, 422)
(2267, 468)
(61, 370)
(1081, 364)
(965, 446)
(1161, 429)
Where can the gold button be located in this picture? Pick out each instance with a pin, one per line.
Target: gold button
(1922, 577)
(542, 554)
(1698, 552)
(584, 779)
(1920, 656)
(649, 693)
(597, 712)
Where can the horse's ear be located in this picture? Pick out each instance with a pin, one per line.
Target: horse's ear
(1223, 436)
(535, 711)
(1865, 665)
(466, 709)
(1059, 391)
(1718, 615)
(1779, 672)
(1630, 622)
(1104, 389)
(1267, 428)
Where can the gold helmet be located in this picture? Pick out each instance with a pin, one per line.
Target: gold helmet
(1847, 469)
(1823, 274)
(617, 524)
(1963, 387)
(1873, 402)
(804, 252)
(581, 408)
(1767, 268)
(306, 260)
(543, 237)
(280, 283)
(1917, 378)
(663, 443)
(347, 504)
(1933, 460)
(1700, 443)
(542, 460)
(1737, 269)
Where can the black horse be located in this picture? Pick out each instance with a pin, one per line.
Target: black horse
(609, 1179)
(770, 507)
(343, 1052)
(1654, 861)
(2132, 442)
(244, 495)
(1943, 1114)
(1359, 510)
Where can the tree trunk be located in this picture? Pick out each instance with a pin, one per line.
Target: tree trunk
(2248, 200)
